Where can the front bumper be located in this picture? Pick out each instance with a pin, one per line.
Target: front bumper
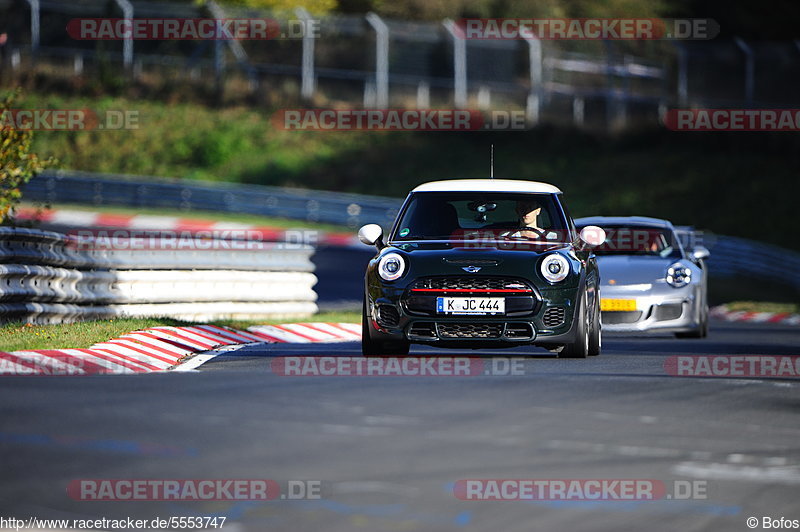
(659, 310)
(548, 320)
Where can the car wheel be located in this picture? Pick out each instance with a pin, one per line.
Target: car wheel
(700, 332)
(705, 325)
(596, 334)
(580, 347)
(377, 348)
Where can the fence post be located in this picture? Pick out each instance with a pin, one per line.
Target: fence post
(749, 70)
(614, 114)
(127, 44)
(683, 74)
(484, 97)
(534, 101)
(459, 64)
(307, 75)
(234, 45)
(219, 69)
(622, 103)
(35, 24)
(578, 111)
(381, 59)
(423, 95)
(369, 94)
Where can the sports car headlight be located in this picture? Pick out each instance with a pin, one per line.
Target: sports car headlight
(391, 267)
(555, 267)
(678, 276)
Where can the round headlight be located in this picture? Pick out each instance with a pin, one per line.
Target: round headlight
(391, 267)
(678, 276)
(555, 267)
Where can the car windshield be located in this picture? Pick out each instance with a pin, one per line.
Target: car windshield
(639, 240)
(485, 215)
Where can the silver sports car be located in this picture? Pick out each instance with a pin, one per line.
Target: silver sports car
(648, 282)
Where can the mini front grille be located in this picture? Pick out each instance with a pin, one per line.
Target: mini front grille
(472, 283)
(469, 330)
(388, 316)
(669, 311)
(553, 317)
(616, 317)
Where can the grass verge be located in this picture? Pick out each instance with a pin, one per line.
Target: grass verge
(19, 336)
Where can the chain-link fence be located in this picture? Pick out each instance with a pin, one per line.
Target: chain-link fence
(353, 60)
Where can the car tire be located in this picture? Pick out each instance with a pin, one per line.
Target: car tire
(580, 347)
(596, 332)
(378, 348)
(700, 332)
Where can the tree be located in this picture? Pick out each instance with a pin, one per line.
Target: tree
(18, 164)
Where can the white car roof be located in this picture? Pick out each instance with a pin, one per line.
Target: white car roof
(487, 185)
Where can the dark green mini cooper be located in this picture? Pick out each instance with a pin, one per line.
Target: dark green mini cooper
(474, 263)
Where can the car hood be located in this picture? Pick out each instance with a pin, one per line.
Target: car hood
(623, 270)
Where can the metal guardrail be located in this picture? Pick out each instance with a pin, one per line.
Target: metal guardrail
(350, 210)
(739, 257)
(50, 277)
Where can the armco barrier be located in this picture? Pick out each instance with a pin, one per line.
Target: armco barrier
(740, 257)
(312, 205)
(50, 277)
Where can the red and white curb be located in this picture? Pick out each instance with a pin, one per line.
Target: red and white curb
(166, 348)
(144, 222)
(784, 318)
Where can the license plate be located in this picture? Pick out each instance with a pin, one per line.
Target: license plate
(617, 304)
(470, 305)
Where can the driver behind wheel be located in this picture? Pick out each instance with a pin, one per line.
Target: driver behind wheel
(528, 212)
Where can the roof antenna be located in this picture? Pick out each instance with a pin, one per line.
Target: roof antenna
(491, 161)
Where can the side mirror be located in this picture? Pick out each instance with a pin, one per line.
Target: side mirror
(700, 253)
(592, 235)
(371, 235)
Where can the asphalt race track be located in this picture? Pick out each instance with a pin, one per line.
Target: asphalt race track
(387, 450)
